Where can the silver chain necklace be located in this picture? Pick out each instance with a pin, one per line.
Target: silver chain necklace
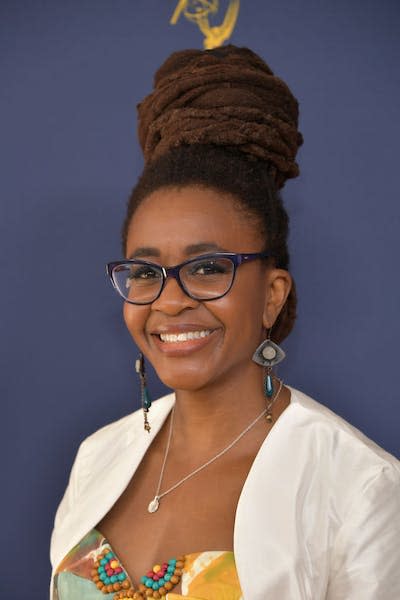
(155, 503)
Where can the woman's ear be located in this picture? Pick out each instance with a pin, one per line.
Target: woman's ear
(278, 286)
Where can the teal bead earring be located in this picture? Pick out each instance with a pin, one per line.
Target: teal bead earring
(144, 392)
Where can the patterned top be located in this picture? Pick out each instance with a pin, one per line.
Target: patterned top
(92, 571)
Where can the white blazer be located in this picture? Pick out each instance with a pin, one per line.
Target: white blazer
(318, 517)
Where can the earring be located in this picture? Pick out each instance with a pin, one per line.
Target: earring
(144, 392)
(268, 354)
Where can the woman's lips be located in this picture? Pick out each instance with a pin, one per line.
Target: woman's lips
(178, 343)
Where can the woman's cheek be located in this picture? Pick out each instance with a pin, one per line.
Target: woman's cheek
(134, 317)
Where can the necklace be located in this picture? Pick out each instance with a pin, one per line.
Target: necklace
(110, 576)
(155, 503)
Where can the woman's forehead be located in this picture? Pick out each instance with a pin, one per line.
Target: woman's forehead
(188, 217)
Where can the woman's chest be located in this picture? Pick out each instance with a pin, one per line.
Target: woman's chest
(197, 515)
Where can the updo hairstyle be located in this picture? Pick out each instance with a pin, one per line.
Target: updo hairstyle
(220, 119)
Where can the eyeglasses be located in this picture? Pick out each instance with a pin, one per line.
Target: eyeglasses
(204, 278)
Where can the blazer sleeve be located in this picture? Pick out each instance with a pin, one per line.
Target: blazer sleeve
(366, 556)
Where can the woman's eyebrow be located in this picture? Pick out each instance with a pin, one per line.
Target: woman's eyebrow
(144, 252)
(199, 248)
(203, 247)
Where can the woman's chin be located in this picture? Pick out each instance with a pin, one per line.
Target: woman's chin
(185, 382)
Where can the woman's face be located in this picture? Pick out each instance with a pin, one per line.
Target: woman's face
(173, 225)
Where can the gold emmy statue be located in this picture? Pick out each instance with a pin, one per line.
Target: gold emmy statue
(199, 12)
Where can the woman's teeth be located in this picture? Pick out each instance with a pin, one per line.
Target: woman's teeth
(184, 337)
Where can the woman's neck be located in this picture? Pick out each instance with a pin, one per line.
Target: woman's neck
(211, 417)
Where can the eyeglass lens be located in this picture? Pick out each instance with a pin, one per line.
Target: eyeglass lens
(202, 279)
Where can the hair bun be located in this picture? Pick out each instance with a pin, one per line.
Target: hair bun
(228, 97)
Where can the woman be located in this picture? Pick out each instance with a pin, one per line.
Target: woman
(235, 486)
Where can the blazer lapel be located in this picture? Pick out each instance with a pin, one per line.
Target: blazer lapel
(115, 453)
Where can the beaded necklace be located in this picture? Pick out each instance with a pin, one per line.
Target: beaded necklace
(110, 576)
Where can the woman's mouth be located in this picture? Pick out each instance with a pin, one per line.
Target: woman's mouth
(179, 343)
(172, 338)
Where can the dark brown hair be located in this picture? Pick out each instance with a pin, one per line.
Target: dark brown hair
(223, 120)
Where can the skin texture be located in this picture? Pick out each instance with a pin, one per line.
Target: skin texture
(218, 387)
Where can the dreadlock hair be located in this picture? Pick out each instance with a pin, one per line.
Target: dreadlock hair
(246, 179)
(221, 119)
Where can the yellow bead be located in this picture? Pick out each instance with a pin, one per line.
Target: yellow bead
(156, 568)
(114, 564)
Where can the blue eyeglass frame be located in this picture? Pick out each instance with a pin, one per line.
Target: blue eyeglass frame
(236, 258)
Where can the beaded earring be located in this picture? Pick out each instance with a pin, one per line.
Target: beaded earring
(144, 392)
(268, 354)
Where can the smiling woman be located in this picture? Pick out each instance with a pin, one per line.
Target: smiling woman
(209, 218)
(236, 486)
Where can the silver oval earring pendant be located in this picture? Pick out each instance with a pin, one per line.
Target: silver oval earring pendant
(268, 354)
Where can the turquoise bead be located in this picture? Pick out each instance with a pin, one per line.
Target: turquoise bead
(142, 579)
(149, 582)
(155, 586)
(110, 555)
(122, 577)
(103, 576)
(146, 399)
(100, 570)
(107, 580)
(269, 387)
(113, 578)
(167, 576)
(161, 581)
(103, 562)
(171, 569)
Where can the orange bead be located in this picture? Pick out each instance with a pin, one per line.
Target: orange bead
(168, 585)
(156, 595)
(126, 584)
(162, 591)
(179, 564)
(116, 586)
(174, 579)
(100, 585)
(178, 572)
(142, 587)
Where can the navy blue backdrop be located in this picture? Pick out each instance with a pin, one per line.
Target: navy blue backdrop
(71, 75)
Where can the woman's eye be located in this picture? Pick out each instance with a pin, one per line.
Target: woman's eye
(211, 267)
(143, 272)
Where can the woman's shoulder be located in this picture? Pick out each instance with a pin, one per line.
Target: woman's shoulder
(335, 437)
(129, 428)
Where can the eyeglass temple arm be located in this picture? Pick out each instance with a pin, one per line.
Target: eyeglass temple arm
(253, 256)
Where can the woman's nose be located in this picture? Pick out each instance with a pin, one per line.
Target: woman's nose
(173, 299)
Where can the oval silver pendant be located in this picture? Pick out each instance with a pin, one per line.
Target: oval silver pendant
(268, 354)
(153, 506)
